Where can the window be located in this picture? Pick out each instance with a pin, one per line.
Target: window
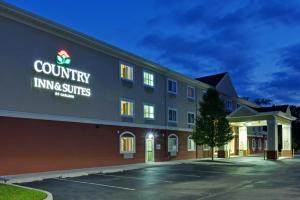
(190, 92)
(149, 111)
(172, 86)
(259, 144)
(228, 105)
(126, 72)
(238, 105)
(253, 144)
(191, 144)
(191, 118)
(172, 143)
(172, 115)
(127, 142)
(127, 108)
(206, 147)
(148, 79)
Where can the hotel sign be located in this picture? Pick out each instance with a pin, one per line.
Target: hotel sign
(62, 80)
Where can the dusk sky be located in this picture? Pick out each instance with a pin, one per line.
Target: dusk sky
(257, 42)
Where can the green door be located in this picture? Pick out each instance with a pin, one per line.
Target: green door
(149, 150)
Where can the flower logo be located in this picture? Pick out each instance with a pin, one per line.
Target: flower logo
(63, 58)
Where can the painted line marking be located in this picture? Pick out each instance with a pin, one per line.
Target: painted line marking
(201, 171)
(96, 184)
(130, 177)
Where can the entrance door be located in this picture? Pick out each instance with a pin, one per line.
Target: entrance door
(149, 150)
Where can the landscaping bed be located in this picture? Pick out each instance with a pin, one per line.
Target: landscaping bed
(10, 192)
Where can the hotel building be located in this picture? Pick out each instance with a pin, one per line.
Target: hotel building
(69, 101)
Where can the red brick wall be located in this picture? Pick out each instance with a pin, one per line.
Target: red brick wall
(38, 145)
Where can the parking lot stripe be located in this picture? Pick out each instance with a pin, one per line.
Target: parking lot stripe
(203, 171)
(96, 184)
(130, 177)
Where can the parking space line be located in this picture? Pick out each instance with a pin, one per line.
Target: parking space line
(204, 171)
(130, 177)
(96, 184)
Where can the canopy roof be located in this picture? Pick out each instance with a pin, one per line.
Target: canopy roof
(245, 115)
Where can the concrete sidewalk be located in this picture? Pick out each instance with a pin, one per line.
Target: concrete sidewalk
(30, 177)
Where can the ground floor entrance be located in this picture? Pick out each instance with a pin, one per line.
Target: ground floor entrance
(150, 154)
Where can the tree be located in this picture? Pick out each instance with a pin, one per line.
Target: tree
(212, 128)
(263, 101)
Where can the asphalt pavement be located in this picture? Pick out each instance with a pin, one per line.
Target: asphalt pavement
(248, 178)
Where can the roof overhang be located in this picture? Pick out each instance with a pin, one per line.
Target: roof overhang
(245, 114)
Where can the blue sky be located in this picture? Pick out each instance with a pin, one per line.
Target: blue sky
(256, 41)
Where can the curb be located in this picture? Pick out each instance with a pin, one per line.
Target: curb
(31, 177)
(49, 195)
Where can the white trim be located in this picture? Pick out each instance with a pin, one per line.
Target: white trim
(64, 118)
(173, 109)
(134, 142)
(173, 80)
(149, 72)
(133, 109)
(189, 138)
(192, 98)
(241, 107)
(188, 118)
(176, 141)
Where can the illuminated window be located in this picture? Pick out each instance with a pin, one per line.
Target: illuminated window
(126, 72)
(191, 144)
(149, 111)
(172, 143)
(190, 92)
(172, 115)
(127, 108)
(148, 79)
(127, 142)
(191, 118)
(172, 86)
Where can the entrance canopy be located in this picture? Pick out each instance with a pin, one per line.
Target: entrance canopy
(271, 117)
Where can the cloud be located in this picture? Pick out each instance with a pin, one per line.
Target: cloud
(284, 87)
(215, 36)
(289, 57)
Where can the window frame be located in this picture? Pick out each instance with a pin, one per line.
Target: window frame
(149, 72)
(259, 144)
(177, 140)
(188, 140)
(253, 144)
(230, 102)
(173, 109)
(187, 93)
(134, 143)
(175, 81)
(154, 115)
(189, 112)
(133, 109)
(120, 71)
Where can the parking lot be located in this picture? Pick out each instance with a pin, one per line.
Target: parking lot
(255, 179)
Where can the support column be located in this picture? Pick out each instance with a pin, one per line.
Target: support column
(286, 141)
(272, 141)
(243, 143)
